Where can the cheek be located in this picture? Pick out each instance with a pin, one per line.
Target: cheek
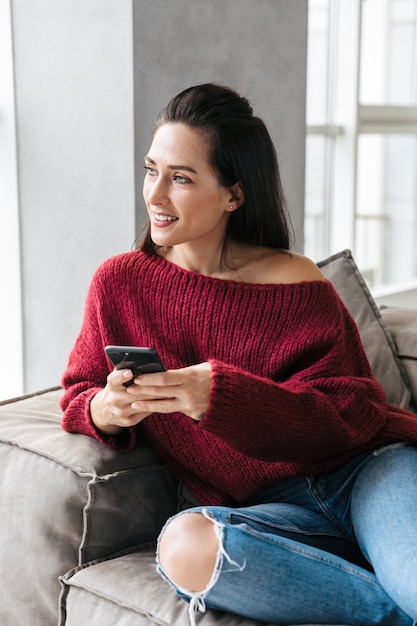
(144, 187)
(145, 190)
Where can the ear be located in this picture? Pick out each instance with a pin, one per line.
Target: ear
(237, 197)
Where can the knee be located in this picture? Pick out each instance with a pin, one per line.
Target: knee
(188, 550)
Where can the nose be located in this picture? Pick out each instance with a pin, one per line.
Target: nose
(155, 190)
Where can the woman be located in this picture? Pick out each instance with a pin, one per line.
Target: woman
(298, 471)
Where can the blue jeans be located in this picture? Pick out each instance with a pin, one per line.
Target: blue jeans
(291, 555)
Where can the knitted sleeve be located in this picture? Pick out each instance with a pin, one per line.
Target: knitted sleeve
(327, 402)
(87, 369)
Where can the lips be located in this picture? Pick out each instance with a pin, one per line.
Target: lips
(164, 218)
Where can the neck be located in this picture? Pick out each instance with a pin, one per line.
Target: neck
(201, 260)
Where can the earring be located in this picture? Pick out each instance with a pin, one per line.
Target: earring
(230, 206)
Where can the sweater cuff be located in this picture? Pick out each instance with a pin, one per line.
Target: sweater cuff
(222, 398)
(77, 419)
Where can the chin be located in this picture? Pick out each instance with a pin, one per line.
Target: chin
(162, 242)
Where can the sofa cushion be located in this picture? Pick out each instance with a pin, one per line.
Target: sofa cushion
(67, 499)
(379, 345)
(402, 324)
(127, 590)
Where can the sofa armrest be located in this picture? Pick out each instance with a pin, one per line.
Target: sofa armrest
(66, 499)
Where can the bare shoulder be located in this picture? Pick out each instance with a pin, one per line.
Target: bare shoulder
(287, 267)
(296, 268)
(272, 266)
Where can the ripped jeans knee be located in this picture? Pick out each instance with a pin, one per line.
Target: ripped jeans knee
(265, 570)
(224, 563)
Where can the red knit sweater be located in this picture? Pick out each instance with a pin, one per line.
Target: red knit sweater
(292, 390)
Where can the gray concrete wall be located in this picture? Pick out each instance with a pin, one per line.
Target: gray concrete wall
(90, 77)
(75, 131)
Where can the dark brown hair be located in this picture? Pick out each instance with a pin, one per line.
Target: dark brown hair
(241, 150)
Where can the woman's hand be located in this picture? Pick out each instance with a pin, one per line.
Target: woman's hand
(186, 390)
(111, 408)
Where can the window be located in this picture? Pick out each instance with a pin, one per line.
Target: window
(361, 148)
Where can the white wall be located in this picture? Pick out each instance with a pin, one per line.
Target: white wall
(90, 77)
(11, 361)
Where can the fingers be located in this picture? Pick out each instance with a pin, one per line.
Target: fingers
(193, 375)
(159, 405)
(111, 409)
(169, 378)
(186, 390)
(118, 378)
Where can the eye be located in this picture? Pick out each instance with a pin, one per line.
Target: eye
(150, 170)
(182, 180)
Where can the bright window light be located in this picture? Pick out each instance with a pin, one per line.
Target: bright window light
(361, 147)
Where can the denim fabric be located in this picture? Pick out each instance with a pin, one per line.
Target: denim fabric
(291, 556)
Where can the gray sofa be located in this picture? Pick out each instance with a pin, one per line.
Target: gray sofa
(79, 521)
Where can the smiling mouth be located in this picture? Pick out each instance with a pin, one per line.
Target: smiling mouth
(164, 218)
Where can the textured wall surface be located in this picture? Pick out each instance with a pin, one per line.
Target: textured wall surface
(75, 131)
(89, 78)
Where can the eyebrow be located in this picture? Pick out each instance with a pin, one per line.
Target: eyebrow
(186, 168)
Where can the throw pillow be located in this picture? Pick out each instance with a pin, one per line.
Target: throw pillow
(379, 345)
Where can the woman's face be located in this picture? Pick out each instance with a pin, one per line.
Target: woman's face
(185, 201)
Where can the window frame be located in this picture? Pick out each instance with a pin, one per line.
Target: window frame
(346, 120)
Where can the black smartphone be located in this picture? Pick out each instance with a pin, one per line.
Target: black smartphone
(138, 360)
